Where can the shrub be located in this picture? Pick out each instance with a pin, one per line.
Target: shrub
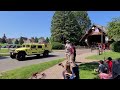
(115, 46)
(57, 45)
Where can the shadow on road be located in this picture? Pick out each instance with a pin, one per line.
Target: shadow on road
(41, 57)
(3, 57)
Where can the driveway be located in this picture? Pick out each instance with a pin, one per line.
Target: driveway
(6, 63)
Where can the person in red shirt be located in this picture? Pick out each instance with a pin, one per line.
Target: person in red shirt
(103, 47)
(109, 62)
(72, 51)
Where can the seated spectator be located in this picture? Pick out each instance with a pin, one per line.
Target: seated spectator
(102, 68)
(105, 76)
(109, 62)
(75, 70)
(116, 69)
(67, 73)
(71, 71)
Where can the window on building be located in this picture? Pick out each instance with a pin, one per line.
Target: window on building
(39, 46)
(33, 46)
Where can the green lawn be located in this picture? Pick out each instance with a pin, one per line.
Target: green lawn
(87, 71)
(4, 50)
(2, 44)
(4, 54)
(26, 72)
(112, 54)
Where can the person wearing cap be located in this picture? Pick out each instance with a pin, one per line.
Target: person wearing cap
(67, 50)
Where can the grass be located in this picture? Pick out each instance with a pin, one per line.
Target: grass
(3, 44)
(26, 72)
(4, 54)
(4, 50)
(87, 71)
(112, 54)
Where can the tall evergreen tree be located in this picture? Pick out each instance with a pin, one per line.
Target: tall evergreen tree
(47, 39)
(68, 25)
(4, 39)
(16, 41)
(82, 19)
(36, 40)
(21, 40)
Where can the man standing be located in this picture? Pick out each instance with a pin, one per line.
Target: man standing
(67, 50)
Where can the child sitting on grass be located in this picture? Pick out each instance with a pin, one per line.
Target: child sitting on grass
(103, 71)
(102, 68)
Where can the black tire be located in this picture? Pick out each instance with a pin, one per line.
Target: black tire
(20, 56)
(46, 53)
(12, 56)
(38, 55)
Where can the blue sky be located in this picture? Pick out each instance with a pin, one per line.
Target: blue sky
(37, 23)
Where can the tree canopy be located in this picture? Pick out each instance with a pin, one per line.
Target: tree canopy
(47, 39)
(114, 29)
(36, 40)
(16, 41)
(69, 25)
(21, 40)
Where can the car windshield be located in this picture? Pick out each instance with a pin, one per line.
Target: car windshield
(27, 45)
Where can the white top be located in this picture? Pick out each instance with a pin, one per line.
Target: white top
(67, 48)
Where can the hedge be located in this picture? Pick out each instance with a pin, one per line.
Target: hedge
(57, 45)
(115, 46)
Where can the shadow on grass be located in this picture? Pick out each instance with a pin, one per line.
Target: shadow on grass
(89, 66)
(88, 69)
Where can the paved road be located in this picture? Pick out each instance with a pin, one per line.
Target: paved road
(6, 63)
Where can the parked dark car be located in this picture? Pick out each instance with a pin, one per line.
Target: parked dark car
(3, 46)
